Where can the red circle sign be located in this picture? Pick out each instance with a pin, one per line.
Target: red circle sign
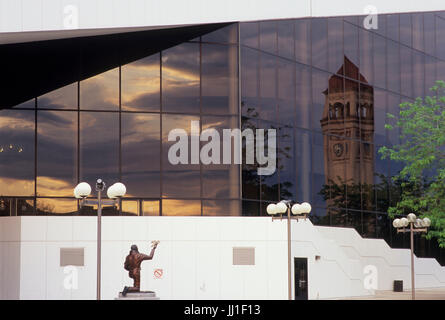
(158, 273)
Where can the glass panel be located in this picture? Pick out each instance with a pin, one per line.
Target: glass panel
(269, 183)
(430, 33)
(393, 108)
(219, 79)
(141, 85)
(303, 158)
(249, 34)
(379, 116)
(30, 104)
(406, 74)
(268, 36)
(180, 180)
(302, 40)
(180, 78)
(17, 152)
(251, 208)
(418, 74)
(250, 178)
(221, 208)
(286, 45)
(392, 24)
(319, 28)
(141, 154)
(268, 89)
(406, 29)
(63, 98)
(56, 153)
(430, 73)
(49, 207)
(150, 208)
(286, 162)
(369, 225)
(319, 176)
(24, 207)
(220, 180)
(440, 38)
(320, 216)
(249, 82)
(227, 34)
(6, 207)
(99, 147)
(181, 207)
(351, 49)
(393, 66)
(286, 92)
(335, 42)
(130, 207)
(303, 96)
(379, 62)
(418, 38)
(381, 180)
(100, 92)
(440, 70)
(366, 55)
(320, 86)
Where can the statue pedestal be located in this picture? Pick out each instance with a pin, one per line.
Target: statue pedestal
(141, 295)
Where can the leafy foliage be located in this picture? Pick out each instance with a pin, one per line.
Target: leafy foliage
(421, 150)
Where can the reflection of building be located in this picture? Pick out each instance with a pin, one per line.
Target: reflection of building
(91, 103)
(348, 128)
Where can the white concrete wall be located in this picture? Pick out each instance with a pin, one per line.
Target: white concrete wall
(39, 15)
(196, 256)
(392, 264)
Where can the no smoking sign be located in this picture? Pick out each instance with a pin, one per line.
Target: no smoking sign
(158, 273)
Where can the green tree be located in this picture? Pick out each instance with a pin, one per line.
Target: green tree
(421, 151)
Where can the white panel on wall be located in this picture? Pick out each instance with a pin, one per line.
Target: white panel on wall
(33, 228)
(12, 271)
(55, 276)
(208, 277)
(183, 270)
(87, 274)
(52, 15)
(60, 229)
(33, 270)
(232, 277)
(114, 276)
(255, 277)
(32, 15)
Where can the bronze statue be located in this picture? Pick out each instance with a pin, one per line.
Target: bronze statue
(133, 266)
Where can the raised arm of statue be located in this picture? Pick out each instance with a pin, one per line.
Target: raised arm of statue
(150, 256)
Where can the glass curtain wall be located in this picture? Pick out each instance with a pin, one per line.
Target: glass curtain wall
(115, 126)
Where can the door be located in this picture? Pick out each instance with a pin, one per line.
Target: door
(300, 276)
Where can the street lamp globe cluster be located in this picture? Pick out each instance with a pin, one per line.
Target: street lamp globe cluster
(296, 209)
(411, 218)
(83, 190)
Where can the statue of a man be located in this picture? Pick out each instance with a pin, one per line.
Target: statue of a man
(133, 266)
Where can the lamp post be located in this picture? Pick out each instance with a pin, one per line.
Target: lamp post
(115, 192)
(301, 211)
(415, 226)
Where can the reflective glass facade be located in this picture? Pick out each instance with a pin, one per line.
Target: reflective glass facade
(325, 85)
